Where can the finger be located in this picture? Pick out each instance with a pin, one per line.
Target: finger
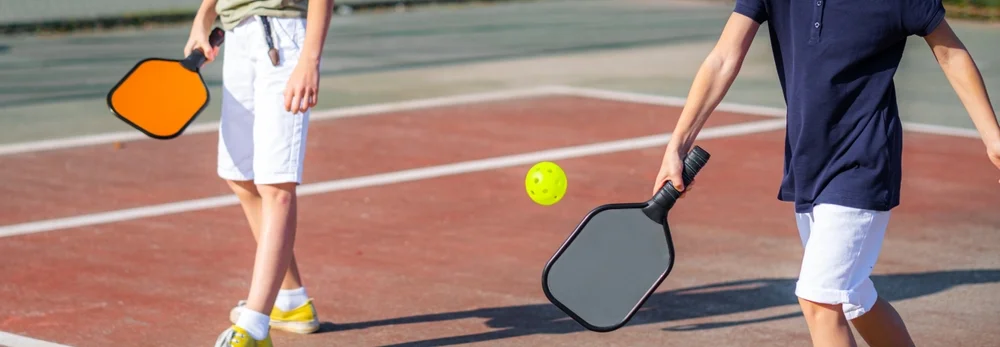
(213, 53)
(206, 50)
(288, 99)
(313, 99)
(687, 189)
(303, 100)
(296, 102)
(662, 184)
(306, 100)
(678, 184)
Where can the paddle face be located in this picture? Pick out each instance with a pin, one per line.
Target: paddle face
(160, 97)
(614, 260)
(608, 267)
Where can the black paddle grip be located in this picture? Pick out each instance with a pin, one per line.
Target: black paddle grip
(197, 58)
(657, 207)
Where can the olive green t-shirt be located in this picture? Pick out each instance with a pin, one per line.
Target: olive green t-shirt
(232, 12)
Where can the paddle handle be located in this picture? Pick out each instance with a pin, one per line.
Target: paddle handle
(196, 59)
(657, 207)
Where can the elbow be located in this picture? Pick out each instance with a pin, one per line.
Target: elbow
(724, 64)
(731, 66)
(949, 57)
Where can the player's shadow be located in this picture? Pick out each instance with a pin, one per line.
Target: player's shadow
(681, 304)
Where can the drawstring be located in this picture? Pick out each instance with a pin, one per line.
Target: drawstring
(271, 51)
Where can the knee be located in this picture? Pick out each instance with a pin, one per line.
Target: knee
(282, 194)
(244, 190)
(822, 313)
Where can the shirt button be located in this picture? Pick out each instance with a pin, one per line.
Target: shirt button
(816, 25)
(819, 3)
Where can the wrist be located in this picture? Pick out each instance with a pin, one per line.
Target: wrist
(679, 143)
(202, 25)
(309, 59)
(992, 144)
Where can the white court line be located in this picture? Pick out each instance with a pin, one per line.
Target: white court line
(391, 177)
(663, 100)
(8, 339)
(741, 108)
(375, 109)
(366, 110)
(941, 130)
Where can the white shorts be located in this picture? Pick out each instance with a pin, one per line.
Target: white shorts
(841, 247)
(258, 139)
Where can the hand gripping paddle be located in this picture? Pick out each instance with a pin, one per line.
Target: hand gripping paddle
(616, 257)
(161, 97)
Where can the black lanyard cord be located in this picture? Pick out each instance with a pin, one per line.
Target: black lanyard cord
(271, 51)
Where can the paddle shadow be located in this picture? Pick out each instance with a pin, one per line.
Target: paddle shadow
(675, 305)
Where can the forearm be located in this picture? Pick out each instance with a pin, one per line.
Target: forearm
(967, 82)
(710, 85)
(206, 15)
(318, 20)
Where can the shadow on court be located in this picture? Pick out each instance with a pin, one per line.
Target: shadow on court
(686, 303)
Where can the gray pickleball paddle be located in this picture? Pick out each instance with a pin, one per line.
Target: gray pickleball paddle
(616, 257)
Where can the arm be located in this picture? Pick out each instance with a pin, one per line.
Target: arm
(200, 28)
(319, 24)
(303, 86)
(713, 80)
(206, 15)
(965, 79)
(710, 85)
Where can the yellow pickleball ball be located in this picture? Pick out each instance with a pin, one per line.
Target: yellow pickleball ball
(545, 183)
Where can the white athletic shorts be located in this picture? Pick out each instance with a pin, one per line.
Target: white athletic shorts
(841, 247)
(258, 139)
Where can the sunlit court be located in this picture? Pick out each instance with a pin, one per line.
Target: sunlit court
(414, 226)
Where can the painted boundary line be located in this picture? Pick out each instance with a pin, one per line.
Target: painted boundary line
(8, 339)
(741, 108)
(355, 111)
(672, 101)
(391, 177)
(375, 109)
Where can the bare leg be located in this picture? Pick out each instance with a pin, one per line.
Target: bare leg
(883, 327)
(250, 200)
(274, 246)
(827, 325)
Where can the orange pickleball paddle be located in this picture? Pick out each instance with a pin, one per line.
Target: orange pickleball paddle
(161, 97)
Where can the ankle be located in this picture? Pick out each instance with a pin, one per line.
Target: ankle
(290, 299)
(255, 323)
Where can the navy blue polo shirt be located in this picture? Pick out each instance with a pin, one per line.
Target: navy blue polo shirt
(836, 60)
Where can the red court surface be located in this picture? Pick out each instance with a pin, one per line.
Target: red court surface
(457, 259)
